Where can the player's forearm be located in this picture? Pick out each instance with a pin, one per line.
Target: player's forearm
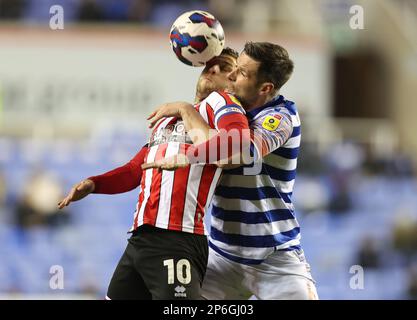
(198, 130)
(231, 142)
(119, 180)
(238, 159)
(228, 165)
(122, 179)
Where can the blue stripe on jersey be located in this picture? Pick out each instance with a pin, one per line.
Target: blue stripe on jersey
(274, 102)
(250, 193)
(234, 258)
(278, 174)
(287, 105)
(253, 153)
(254, 241)
(245, 260)
(288, 153)
(251, 217)
(274, 173)
(290, 108)
(291, 248)
(296, 131)
(229, 106)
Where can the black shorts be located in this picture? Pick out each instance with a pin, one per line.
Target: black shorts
(160, 264)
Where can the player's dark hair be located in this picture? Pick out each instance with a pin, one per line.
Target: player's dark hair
(230, 52)
(275, 63)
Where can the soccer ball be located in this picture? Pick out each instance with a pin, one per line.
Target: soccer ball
(196, 37)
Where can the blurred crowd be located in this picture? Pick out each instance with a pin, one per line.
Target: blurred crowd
(332, 186)
(35, 205)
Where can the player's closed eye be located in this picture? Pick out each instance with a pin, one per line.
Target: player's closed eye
(225, 67)
(208, 66)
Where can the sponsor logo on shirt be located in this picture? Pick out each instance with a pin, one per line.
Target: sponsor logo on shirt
(232, 109)
(171, 133)
(271, 123)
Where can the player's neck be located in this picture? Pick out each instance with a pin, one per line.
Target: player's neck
(198, 98)
(259, 102)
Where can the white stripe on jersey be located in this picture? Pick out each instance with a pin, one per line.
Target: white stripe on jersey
(258, 180)
(284, 186)
(244, 252)
(190, 206)
(226, 110)
(293, 142)
(295, 119)
(279, 162)
(213, 187)
(135, 215)
(293, 242)
(148, 183)
(252, 205)
(167, 182)
(256, 229)
(216, 101)
(203, 111)
(254, 253)
(163, 124)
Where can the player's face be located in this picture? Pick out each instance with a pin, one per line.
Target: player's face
(244, 83)
(215, 75)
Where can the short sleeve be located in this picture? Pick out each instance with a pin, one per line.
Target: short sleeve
(271, 131)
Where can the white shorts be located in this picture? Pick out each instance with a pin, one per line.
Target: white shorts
(283, 275)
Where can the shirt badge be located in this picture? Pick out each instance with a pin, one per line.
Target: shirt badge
(271, 123)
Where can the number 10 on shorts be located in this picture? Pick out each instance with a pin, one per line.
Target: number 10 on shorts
(183, 271)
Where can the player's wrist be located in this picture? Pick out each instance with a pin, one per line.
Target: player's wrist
(91, 184)
(185, 109)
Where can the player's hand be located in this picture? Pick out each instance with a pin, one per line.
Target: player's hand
(171, 163)
(172, 109)
(78, 192)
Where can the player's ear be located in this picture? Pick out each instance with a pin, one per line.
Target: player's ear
(266, 88)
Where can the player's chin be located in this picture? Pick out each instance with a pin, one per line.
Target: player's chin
(231, 89)
(208, 85)
(205, 85)
(209, 88)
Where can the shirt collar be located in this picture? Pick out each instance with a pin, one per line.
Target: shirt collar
(274, 102)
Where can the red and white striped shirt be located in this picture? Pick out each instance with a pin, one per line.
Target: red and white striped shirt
(177, 200)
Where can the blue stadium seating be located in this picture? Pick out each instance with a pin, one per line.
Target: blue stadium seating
(90, 245)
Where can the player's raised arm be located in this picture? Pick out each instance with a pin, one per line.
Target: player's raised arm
(271, 131)
(232, 138)
(78, 192)
(119, 180)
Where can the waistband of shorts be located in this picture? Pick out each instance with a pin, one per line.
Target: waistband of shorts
(147, 228)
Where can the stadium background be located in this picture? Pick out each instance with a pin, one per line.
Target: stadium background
(73, 103)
